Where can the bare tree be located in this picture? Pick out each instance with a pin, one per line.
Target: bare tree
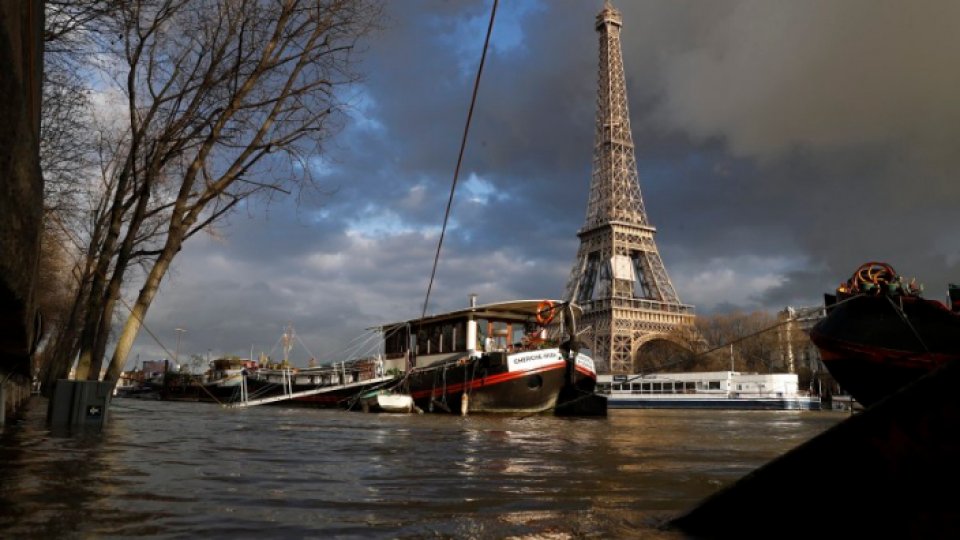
(67, 157)
(748, 341)
(225, 100)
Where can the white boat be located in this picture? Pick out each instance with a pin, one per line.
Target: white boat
(399, 403)
(706, 390)
(390, 402)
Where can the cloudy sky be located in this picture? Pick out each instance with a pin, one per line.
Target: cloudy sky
(779, 146)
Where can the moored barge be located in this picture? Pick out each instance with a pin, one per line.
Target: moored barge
(881, 334)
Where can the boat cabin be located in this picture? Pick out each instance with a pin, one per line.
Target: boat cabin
(709, 382)
(504, 327)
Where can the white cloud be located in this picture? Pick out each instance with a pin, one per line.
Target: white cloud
(738, 281)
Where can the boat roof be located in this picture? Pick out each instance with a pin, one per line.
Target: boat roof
(512, 309)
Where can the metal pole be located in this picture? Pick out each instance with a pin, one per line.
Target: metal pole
(176, 355)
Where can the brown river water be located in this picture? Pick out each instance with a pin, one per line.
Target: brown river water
(195, 470)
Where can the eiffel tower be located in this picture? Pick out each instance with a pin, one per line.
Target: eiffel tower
(619, 279)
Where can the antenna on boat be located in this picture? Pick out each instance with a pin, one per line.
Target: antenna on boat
(287, 343)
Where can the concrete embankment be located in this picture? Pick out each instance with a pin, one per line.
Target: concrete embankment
(14, 392)
(892, 471)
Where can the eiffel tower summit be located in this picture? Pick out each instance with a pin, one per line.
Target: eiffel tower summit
(619, 278)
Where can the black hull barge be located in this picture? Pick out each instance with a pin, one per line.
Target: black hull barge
(881, 334)
(508, 357)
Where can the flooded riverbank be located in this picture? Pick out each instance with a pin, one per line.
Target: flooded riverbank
(166, 469)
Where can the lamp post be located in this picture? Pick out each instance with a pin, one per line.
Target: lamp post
(176, 355)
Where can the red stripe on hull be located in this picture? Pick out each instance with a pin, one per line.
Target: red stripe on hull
(489, 380)
(870, 374)
(527, 391)
(584, 371)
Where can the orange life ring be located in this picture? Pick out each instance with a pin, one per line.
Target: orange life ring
(545, 312)
(875, 273)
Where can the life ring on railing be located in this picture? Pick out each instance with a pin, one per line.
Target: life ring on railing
(545, 312)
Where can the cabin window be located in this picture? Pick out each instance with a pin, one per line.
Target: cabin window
(714, 385)
(518, 333)
(397, 341)
(657, 387)
(739, 387)
(460, 336)
(436, 334)
(483, 333)
(635, 386)
(645, 387)
(690, 386)
(500, 332)
(446, 338)
(422, 342)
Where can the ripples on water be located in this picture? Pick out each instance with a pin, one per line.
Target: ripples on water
(186, 470)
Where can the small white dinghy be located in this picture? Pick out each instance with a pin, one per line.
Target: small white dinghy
(391, 402)
(399, 403)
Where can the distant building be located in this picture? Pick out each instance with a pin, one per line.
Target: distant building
(154, 368)
(797, 352)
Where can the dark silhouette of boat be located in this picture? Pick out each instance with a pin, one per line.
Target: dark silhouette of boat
(880, 334)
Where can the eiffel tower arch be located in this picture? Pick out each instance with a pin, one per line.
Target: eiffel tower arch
(619, 278)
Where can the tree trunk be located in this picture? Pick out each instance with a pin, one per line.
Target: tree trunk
(93, 318)
(116, 281)
(135, 320)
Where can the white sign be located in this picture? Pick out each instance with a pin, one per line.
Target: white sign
(585, 362)
(531, 360)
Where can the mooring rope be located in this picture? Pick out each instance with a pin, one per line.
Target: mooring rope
(456, 171)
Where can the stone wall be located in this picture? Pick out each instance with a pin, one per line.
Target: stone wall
(21, 182)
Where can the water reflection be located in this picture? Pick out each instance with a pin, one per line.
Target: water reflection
(186, 470)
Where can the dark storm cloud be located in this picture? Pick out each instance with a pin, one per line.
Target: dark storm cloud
(846, 112)
(779, 146)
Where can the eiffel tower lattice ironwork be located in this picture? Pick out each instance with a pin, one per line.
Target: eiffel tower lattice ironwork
(619, 278)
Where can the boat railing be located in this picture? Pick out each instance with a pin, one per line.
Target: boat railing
(666, 309)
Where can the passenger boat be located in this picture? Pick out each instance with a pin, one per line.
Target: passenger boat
(880, 334)
(706, 390)
(494, 358)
